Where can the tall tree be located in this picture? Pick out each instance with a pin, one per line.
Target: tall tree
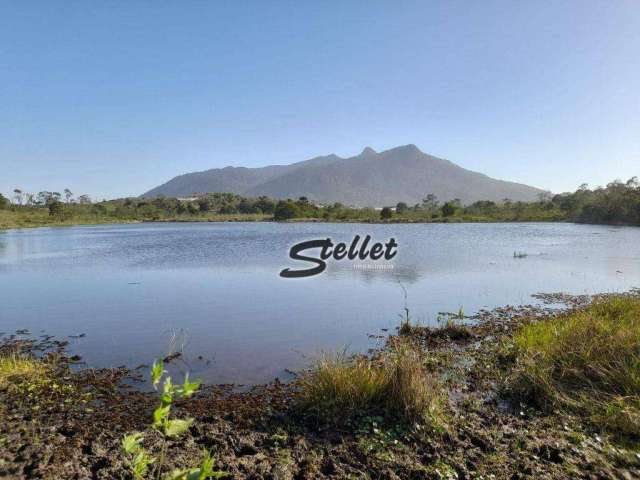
(430, 202)
(17, 195)
(401, 207)
(449, 209)
(386, 213)
(44, 197)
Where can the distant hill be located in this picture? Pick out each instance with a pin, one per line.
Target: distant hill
(401, 174)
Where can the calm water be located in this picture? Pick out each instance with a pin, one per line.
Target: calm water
(215, 287)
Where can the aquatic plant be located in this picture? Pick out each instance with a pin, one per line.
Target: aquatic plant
(449, 327)
(376, 437)
(405, 323)
(140, 460)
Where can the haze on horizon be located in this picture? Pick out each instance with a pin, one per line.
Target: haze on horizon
(112, 99)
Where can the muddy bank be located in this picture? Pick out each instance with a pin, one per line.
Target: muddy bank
(70, 423)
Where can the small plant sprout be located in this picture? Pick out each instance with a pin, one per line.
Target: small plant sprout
(139, 460)
(157, 370)
(203, 472)
(161, 421)
(405, 322)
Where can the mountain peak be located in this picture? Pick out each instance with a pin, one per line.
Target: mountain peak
(408, 148)
(368, 151)
(370, 179)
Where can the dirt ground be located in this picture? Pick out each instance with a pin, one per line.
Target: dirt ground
(71, 426)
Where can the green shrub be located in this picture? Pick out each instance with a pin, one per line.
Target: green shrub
(448, 209)
(386, 213)
(286, 210)
(401, 207)
(59, 211)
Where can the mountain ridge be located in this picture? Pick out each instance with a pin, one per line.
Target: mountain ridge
(371, 178)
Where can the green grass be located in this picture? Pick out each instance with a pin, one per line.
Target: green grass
(39, 217)
(341, 387)
(15, 366)
(587, 361)
(218, 217)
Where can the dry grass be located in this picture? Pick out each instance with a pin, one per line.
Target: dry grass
(587, 361)
(17, 366)
(412, 392)
(396, 383)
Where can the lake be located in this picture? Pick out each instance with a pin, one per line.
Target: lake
(213, 289)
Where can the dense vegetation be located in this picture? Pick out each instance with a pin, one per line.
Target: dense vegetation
(587, 362)
(617, 203)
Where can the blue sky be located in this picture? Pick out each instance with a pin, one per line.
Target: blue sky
(112, 98)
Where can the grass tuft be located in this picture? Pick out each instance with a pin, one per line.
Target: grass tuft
(396, 384)
(450, 330)
(587, 361)
(18, 366)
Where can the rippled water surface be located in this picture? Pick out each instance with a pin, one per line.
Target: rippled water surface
(214, 290)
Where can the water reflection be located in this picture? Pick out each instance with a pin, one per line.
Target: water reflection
(127, 286)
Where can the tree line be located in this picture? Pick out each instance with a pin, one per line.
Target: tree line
(43, 198)
(617, 203)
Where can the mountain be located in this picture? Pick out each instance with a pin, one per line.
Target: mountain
(229, 179)
(401, 174)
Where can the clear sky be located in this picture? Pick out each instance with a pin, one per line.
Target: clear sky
(111, 98)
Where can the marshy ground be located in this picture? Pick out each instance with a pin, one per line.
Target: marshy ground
(524, 392)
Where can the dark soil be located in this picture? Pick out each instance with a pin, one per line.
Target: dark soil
(71, 427)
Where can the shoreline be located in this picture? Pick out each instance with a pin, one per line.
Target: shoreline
(259, 433)
(295, 221)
